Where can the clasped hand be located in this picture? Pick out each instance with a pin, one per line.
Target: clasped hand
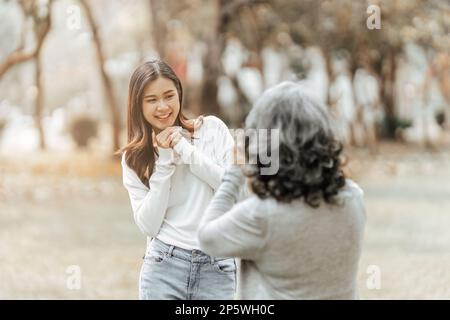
(168, 138)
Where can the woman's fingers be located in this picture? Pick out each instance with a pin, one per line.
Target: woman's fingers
(164, 138)
(161, 139)
(175, 138)
(170, 136)
(163, 135)
(169, 140)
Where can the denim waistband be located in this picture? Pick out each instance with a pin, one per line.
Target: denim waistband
(194, 255)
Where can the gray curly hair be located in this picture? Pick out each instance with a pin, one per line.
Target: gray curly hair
(308, 158)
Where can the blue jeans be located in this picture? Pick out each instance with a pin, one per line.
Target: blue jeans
(169, 272)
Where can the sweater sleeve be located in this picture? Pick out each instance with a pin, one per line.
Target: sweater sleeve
(206, 167)
(149, 205)
(232, 230)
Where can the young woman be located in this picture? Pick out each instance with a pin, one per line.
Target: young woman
(299, 236)
(171, 168)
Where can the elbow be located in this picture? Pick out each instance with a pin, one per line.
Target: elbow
(206, 242)
(145, 228)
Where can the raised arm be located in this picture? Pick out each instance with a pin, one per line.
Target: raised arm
(229, 230)
(208, 168)
(150, 205)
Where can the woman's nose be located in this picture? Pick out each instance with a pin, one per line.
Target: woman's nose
(162, 105)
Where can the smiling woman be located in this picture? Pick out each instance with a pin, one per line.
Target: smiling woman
(155, 98)
(171, 169)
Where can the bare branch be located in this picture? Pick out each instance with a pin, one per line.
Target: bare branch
(20, 55)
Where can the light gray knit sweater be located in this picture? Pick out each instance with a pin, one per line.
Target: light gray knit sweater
(286, 251)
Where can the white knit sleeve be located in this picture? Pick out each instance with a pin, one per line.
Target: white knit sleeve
(208, 168)
(149, 205)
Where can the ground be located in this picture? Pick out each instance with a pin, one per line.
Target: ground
(75, 212)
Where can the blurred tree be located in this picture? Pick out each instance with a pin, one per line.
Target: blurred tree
(225, 13)
(331, 25)
(40, 15)
(341, 25)
(162, 13)
(41, 26)
(212, 31)
(82, 129)
(107, 83)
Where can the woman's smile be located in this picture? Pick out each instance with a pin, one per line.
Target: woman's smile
(164, 116)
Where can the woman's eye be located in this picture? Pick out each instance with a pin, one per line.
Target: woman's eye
(151, 101)
(170, 97)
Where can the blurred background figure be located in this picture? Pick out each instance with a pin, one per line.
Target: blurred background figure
(342, 101)
(316, 80)
(367, 97)
(421, 98)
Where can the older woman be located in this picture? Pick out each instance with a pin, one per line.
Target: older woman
(299, 235)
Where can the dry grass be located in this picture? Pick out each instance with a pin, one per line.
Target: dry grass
(407, 194)
(75, 163)
(76, 212)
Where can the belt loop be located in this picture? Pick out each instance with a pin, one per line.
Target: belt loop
(170, 253)
(212, 259)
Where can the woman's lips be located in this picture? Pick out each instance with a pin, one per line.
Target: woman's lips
(164, 117)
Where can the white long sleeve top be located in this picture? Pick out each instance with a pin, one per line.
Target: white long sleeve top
(182, 184)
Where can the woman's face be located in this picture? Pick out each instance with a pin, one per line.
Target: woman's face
(160, 103)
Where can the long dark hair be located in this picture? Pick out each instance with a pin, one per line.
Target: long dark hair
(139, 151)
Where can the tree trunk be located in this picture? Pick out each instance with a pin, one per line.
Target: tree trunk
(388, 84)
(107, 83)
(212, 72)
(244, 105)
(212, 61)
(158, 26)
(38, 106)
(225, 11)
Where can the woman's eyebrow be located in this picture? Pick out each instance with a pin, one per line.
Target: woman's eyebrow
(153, 95)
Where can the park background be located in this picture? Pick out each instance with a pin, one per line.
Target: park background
(64, 72)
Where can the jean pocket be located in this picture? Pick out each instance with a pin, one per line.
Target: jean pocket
(226, 266)
(155, 257)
